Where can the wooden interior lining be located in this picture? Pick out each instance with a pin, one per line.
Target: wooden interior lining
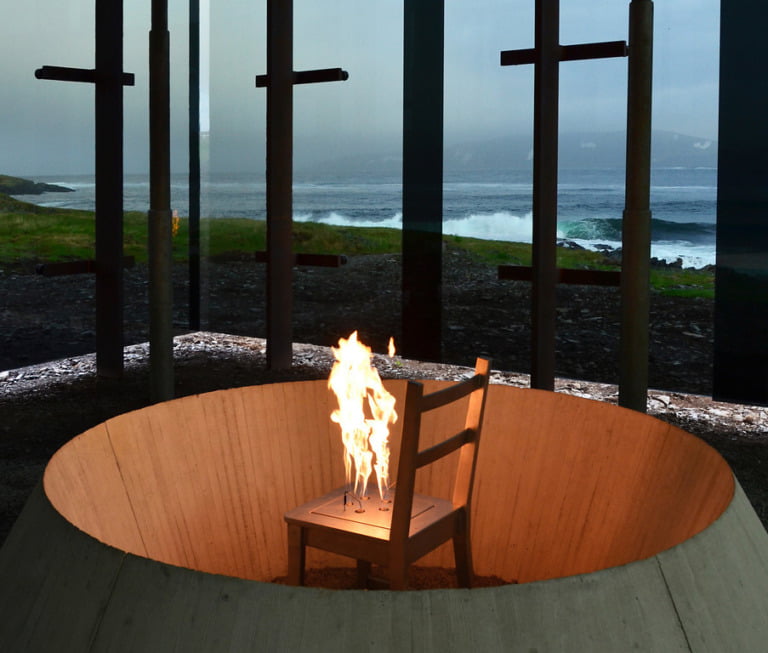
(563, 485)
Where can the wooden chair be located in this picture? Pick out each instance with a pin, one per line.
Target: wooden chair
(417, 524)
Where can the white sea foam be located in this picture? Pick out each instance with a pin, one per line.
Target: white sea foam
(500, 225)
(477, 209)
(508, 227)
(338, 220)
(692, 256)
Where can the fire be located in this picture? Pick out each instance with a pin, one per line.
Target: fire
(365, 411)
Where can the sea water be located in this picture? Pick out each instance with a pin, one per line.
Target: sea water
(488, 205)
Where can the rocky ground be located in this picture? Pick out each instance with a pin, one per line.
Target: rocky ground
(42, 404)
(44, 318)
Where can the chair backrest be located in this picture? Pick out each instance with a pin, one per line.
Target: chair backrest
(466, 439)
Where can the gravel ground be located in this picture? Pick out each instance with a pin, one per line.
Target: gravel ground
(42, 404)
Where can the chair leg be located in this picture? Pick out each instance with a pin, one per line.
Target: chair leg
(398, 578)
(296, 555)
(462, 552)
(363, 573)
(397, 568)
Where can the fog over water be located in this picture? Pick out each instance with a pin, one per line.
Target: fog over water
(46, 127)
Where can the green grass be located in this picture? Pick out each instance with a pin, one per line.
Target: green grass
(683, 283)
(10, 184)
(35, 234)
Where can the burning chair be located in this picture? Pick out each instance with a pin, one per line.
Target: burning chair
(351, 525)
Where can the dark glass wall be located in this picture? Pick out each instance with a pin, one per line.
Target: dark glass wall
(741, 309)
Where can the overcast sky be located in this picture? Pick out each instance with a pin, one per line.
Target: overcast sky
(46, 127)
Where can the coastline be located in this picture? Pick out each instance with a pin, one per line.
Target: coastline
(492, 205)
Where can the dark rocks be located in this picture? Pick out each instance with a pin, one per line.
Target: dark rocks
(46, 318)
(677, 264)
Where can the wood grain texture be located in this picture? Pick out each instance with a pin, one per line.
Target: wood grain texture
(564, 486)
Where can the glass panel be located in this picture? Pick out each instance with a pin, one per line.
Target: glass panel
(46, 135)
(347, 162)
(347, 157)
(741, 311)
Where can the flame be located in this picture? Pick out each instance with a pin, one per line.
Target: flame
(391, 348)
(175, 224)
(365, 434)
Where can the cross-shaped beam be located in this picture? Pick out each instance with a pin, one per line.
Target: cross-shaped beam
(108, 78)
(546, 57)
(279, 82)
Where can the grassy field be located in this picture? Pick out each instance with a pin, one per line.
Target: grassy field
(35, 234)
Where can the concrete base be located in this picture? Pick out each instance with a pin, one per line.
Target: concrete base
(149, 531)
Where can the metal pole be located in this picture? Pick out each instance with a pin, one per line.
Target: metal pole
(545, 143)
(109, 188)
(159, 231)
(422, 178)
(279, 183)
(636, 234)
(194, 164)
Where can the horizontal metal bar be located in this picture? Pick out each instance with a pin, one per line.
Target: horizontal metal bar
(564, 275)
(66, 74)
(321, 260)
(316, 260)
(87, 75)
(309, 77)
(441, 449)
(87, 266)
(321, 75)
(605, 50)
(518, 57)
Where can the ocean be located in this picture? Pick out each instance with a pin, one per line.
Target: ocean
(493, 206)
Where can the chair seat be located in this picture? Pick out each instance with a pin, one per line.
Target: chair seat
(330, 511)
(399, 532)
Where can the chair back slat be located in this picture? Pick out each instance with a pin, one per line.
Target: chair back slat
(451, 393)
(465, 471)
(465, 441)
(406, 468)
(442, 449)
(445, 520)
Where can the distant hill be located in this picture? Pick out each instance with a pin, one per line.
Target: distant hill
(582, 151)
(17, 186)
(589, 150)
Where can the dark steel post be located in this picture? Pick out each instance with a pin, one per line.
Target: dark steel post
(159, 232)
(194, 164)
(422, 178)
(109, 188)
(545, 143)
(636, 234)
(279, 183)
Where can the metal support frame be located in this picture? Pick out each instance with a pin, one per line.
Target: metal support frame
(546, 57)
(636, 223)
(279, 81)
(194, 164)
(159, 218)
(423, 43)
(65, 268)
(108, 79)
(573, 276)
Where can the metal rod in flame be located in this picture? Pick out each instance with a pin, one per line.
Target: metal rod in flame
(366, 409)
